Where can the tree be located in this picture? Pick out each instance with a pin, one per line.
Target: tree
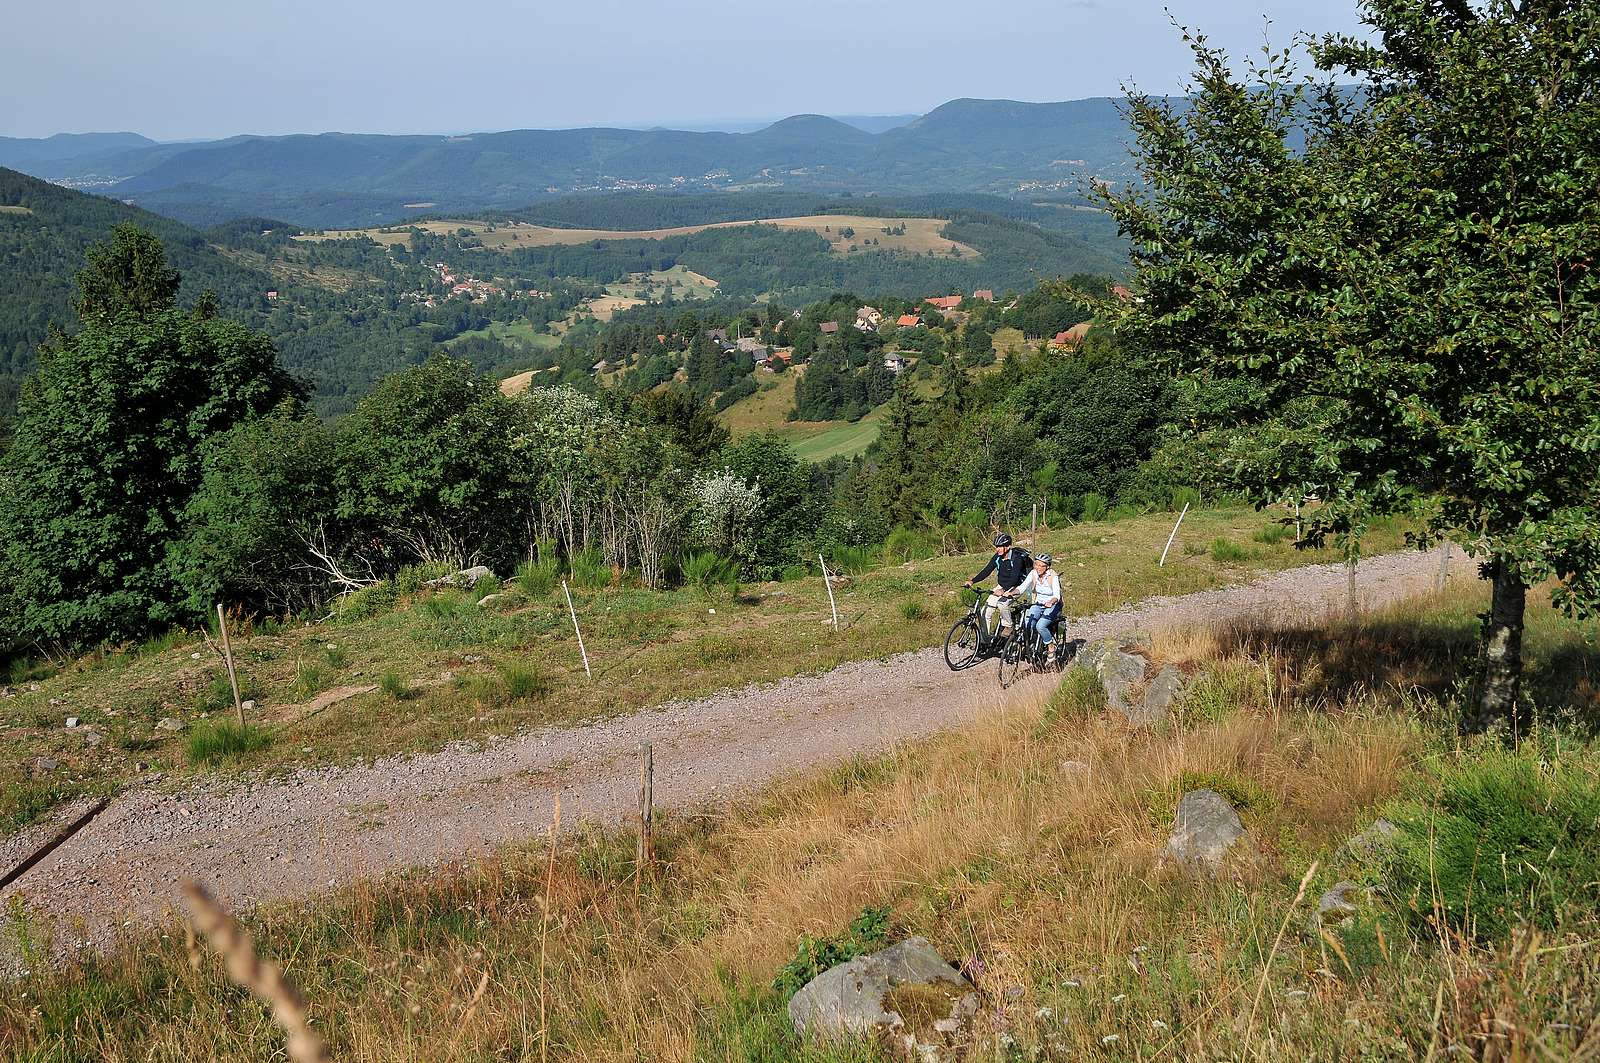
(108, 447)
(1416, 256)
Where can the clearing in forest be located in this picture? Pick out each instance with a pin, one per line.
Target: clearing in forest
(845, 233)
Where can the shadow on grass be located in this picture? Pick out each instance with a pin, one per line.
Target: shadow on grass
(1432, 653)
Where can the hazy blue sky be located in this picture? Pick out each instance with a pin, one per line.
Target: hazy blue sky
(186, 68)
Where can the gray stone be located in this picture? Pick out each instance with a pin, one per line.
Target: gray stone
(1164, 691)
(169, 723)
(72, 721)
(1118, 670)
(1338, 903)
(1374, 842)
(93, 738)
(1206, 829)
(45, 765)
(850, 999)
(248, 705)
(467, 577)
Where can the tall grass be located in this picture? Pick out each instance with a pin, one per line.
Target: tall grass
(210, 743)
(590, 571)
(709, 572)
(538, 578)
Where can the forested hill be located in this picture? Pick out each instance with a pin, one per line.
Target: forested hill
(45, 231)
(344, 180)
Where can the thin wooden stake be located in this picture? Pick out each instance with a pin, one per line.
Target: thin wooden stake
(573, 609)
(227, 655)
(1444, 567)
(826, 582)
(1035, 529)
(645, 858)
(1163, 562)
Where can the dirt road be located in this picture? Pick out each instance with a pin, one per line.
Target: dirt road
(294, 837)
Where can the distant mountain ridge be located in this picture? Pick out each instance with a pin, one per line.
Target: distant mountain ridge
(999, 147)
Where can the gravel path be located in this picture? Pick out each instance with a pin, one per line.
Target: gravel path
(298, 836)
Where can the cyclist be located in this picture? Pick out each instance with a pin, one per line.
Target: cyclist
(1010, 567)
(1045, 584)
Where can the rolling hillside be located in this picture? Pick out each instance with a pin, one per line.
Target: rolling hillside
(352, 180)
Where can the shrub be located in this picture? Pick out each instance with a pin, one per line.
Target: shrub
(369, 602)
(538, 578)
(868, 932)
(1093, 507)
(412, 578)
(791, 573)
(1184, 496)
(912, 609)
(1123, 512)
(1503, 838)
(209, 743)
(708, 572)
(853, 560)
(1274, 533)
(483, 588)
(590, 570)
(522, 681)
(904, 544)
(1225, 551)
(394, 684)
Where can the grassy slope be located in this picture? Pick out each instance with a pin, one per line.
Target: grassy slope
(767, 411)
(647, 648)
(1043, 883)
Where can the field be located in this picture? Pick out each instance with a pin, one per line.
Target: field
(514, 333)
(766, 410)
(1026, 848)
(647, 647)
(921, 234)
(14, 210)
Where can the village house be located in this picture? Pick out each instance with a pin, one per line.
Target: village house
(944, 303)
(272, 297)
(984, 294)
(908, 321)
(1072, 338)
(895, 363)
(868, 318)
(828, 328)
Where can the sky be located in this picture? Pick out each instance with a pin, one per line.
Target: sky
(179, 69)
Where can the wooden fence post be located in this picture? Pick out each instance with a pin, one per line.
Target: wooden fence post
(645, 858)
(227, 655)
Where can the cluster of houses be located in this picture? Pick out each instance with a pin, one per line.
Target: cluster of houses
(465, 287)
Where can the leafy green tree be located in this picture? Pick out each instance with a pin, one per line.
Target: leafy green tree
(108, 442)
(1417, 255)
(265, 496)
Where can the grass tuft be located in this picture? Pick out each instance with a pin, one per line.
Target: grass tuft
(210, 743)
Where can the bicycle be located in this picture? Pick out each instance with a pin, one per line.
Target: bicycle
(968, 643)
(1024, 646)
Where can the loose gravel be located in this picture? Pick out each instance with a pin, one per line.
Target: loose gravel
(291, 838)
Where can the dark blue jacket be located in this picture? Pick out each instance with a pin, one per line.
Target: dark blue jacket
(1012, 569)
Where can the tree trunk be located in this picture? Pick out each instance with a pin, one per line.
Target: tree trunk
(1496, 704)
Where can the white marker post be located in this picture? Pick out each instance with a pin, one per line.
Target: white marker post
(577, 629)
(1174, 535)
(826, 582)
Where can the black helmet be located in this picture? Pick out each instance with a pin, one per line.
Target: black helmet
(1002, 540)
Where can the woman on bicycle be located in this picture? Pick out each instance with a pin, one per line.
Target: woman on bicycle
(1045, 584)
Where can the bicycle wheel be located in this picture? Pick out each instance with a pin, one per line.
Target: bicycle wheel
(1011, 661)
(961, 645)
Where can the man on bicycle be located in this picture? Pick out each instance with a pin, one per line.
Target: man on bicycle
(1010, 567)
(1045, 585)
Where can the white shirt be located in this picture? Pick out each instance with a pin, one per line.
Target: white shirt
(1046, 588)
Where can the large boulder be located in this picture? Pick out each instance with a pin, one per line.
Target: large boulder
(1164, 691)
(1118, 670)
(467, 577)
(1205, 831)
(906, 993)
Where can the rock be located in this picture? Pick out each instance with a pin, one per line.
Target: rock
(467, 577)
(489, 599)
(45, 765)
(1206, 829)
(1119, 671)
(93, 738)
(1165, 691)
(168, 723)
(1076, 769)
(1374, 842)
(1338, 903)
(906, 991)
(72, 721)
(248, 705)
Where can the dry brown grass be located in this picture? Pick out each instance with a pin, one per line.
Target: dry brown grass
(1044, 883)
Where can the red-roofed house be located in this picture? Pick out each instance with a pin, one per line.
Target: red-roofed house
(828, 328)
(945, 302)
(985, 294)
(1072, 338)
(908, 321)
